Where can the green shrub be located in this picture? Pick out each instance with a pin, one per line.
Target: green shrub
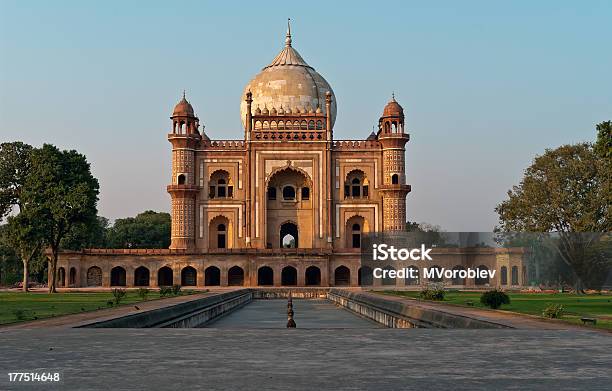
(494, 298)
(143, 293)
(165, 291)
(20, 314)
(553, 311)
(176, 289)
(118, 294)
(433, 292)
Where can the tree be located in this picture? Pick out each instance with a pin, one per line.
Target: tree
(92, 235)
(10, 264)
(23, 231)
(566, 191)
(147, 230)
(14, 168)
(25, 236)
(603, 145)
(61, 193)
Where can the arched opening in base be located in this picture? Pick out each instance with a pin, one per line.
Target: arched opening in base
(313, 276)
(265, 276)
(289, 276)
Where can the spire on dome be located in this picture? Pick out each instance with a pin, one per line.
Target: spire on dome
(288, 36)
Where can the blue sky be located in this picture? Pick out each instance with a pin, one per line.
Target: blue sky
(485, 85)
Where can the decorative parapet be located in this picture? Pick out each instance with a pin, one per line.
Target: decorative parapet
(224, 144)
(288, 135)
(355, 144)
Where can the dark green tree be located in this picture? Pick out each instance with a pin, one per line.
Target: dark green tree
(15, 165)
(91, 235)
(22, 232)
(26, 237)
(566, 191)
(603, 145)
(61, 194)
(147, 230)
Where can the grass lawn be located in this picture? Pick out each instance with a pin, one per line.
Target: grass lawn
(575, 306)
(20, 307)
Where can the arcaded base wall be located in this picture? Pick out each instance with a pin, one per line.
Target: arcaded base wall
(308, 267)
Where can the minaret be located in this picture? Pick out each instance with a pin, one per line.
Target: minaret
(394, 190)
(185, 138)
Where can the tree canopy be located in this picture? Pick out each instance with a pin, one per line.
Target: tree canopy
(60, 193)
(568, 191)
(148, 229)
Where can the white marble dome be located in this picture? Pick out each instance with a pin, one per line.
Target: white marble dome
(288, 82)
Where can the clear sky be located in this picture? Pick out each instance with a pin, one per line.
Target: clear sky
(485, 85)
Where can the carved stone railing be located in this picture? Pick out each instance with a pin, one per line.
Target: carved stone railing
(225, 144)
(270, 135)
(355, 144)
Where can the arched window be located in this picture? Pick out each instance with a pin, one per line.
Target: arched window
(515, 276)
(72, 277)
(365, 276)
(61, 277)
(165, 276)
(117, 276)
(356, 235)
(289, 276)
(394, 179)
(386, 280)
(356, 185)
(313, 275)
(435, 270)
(94, 276)
(482, 280)
(220, 233)
(271, 193)
(412, 278)
(189, 276)
(305, 193)
(289, 193)
(504, 275)
(265, 276)
(235, 276)
(456, 279)
(289, 235)
(355, 188)
(181, 179)
(342, 276)
(220, 185)
(141, 276)
(212, 276)
(221, 236)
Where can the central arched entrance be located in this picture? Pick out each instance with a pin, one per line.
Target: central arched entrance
(289, 235)
(290, 208)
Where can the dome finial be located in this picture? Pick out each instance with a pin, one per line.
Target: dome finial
(288, 37)
(393, 95)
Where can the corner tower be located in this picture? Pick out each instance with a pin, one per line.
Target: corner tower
(185, 139)
(394, 190)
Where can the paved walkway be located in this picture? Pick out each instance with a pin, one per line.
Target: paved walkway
(300, 359)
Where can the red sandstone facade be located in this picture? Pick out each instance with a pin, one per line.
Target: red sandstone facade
(286, 205)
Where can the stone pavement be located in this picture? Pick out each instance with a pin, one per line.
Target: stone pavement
(301, 359)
